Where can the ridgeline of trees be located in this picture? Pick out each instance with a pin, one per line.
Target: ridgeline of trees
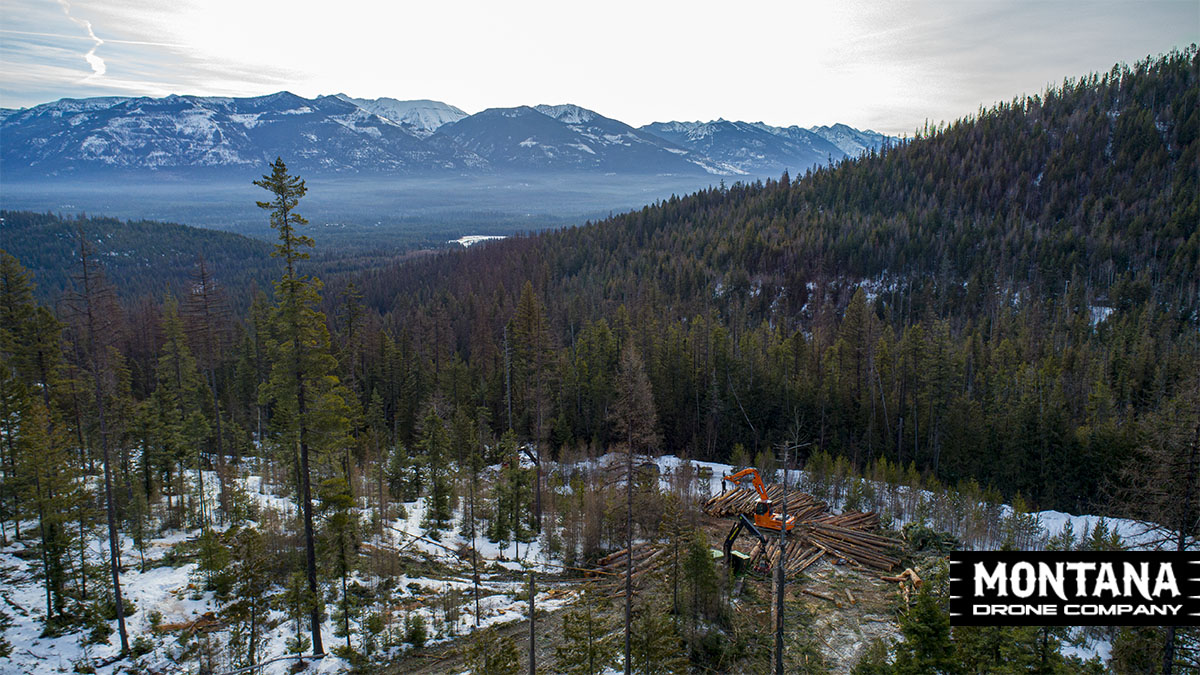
(141, 258)
(1006, 298)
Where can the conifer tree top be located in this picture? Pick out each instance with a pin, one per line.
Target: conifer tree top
(287, 191)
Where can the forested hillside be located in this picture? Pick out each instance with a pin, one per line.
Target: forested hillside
(1001, 298)
(141, 258)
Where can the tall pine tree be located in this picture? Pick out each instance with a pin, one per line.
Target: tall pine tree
(308, 402)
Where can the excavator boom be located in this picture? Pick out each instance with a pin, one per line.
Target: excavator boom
(751, 473)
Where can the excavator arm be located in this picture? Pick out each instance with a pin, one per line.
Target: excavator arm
(742, 522)
(752, 474)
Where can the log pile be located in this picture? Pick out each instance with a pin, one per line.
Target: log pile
(646, 557)
(739, 500)
(817, 533)
(808, 542)
(610, 570)
(856, 545)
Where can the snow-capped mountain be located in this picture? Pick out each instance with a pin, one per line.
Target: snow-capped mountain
(325, 134)
(342, 135)
(848, 139)
(568, 137)
(422, 116)
(754, 148)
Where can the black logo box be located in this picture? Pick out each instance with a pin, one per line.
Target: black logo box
(1042, 588)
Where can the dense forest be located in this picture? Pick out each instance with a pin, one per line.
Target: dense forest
(142, 259)
(1005, 298)
(1009, 301)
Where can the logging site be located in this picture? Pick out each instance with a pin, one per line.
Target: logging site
(533, 565)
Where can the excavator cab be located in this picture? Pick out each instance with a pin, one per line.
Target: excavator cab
(762, 508)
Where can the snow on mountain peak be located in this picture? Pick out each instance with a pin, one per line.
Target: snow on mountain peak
(567, 113)
(423, 115)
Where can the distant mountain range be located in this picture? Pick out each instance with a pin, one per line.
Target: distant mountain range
(342, 135)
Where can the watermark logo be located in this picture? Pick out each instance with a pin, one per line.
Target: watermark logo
(1067, 588)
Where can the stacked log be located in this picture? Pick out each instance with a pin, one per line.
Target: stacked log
(799, 555)
(855, 520)
(844, 536)
(610, 570)
(741, 501)
(855, 545)
(817, 534)
(646, 557)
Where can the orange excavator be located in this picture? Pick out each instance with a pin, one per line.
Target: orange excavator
(764, 518)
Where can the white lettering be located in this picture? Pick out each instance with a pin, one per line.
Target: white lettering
(1053, 579)
(1080, 578)
(1019, 589)
(997, 580)
(1139, 579)
(1166, 581)
(1107, 581)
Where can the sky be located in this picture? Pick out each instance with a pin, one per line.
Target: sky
(887, 66)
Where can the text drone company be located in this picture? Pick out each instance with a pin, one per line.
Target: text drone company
(1075, 588)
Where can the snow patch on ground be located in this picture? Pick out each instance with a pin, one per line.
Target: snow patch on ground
(469, 239)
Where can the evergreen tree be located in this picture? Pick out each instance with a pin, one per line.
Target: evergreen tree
(434, 444)
(248, 612)
(701, 581)
(94, 310)
(207, 313)
(341, 541)
(634, 420)
(1162, 484)
(656, 648)
(926, 648)
(531, 360)
(179, 396)
(52, 492)
(589, 641)
(309, 410)
(510, 509)
(489, 653)
(16, 314)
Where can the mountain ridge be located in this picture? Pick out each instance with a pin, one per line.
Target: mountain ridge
(342, 135)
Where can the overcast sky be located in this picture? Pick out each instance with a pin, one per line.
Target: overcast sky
(883, 65)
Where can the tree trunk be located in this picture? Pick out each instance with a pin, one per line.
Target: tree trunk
(628, 550)
(1193, 472)
(111, 509)
(532, 627)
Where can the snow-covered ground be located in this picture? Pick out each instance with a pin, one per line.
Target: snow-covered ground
(469, 239)
(173, 595)
(173, 592)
